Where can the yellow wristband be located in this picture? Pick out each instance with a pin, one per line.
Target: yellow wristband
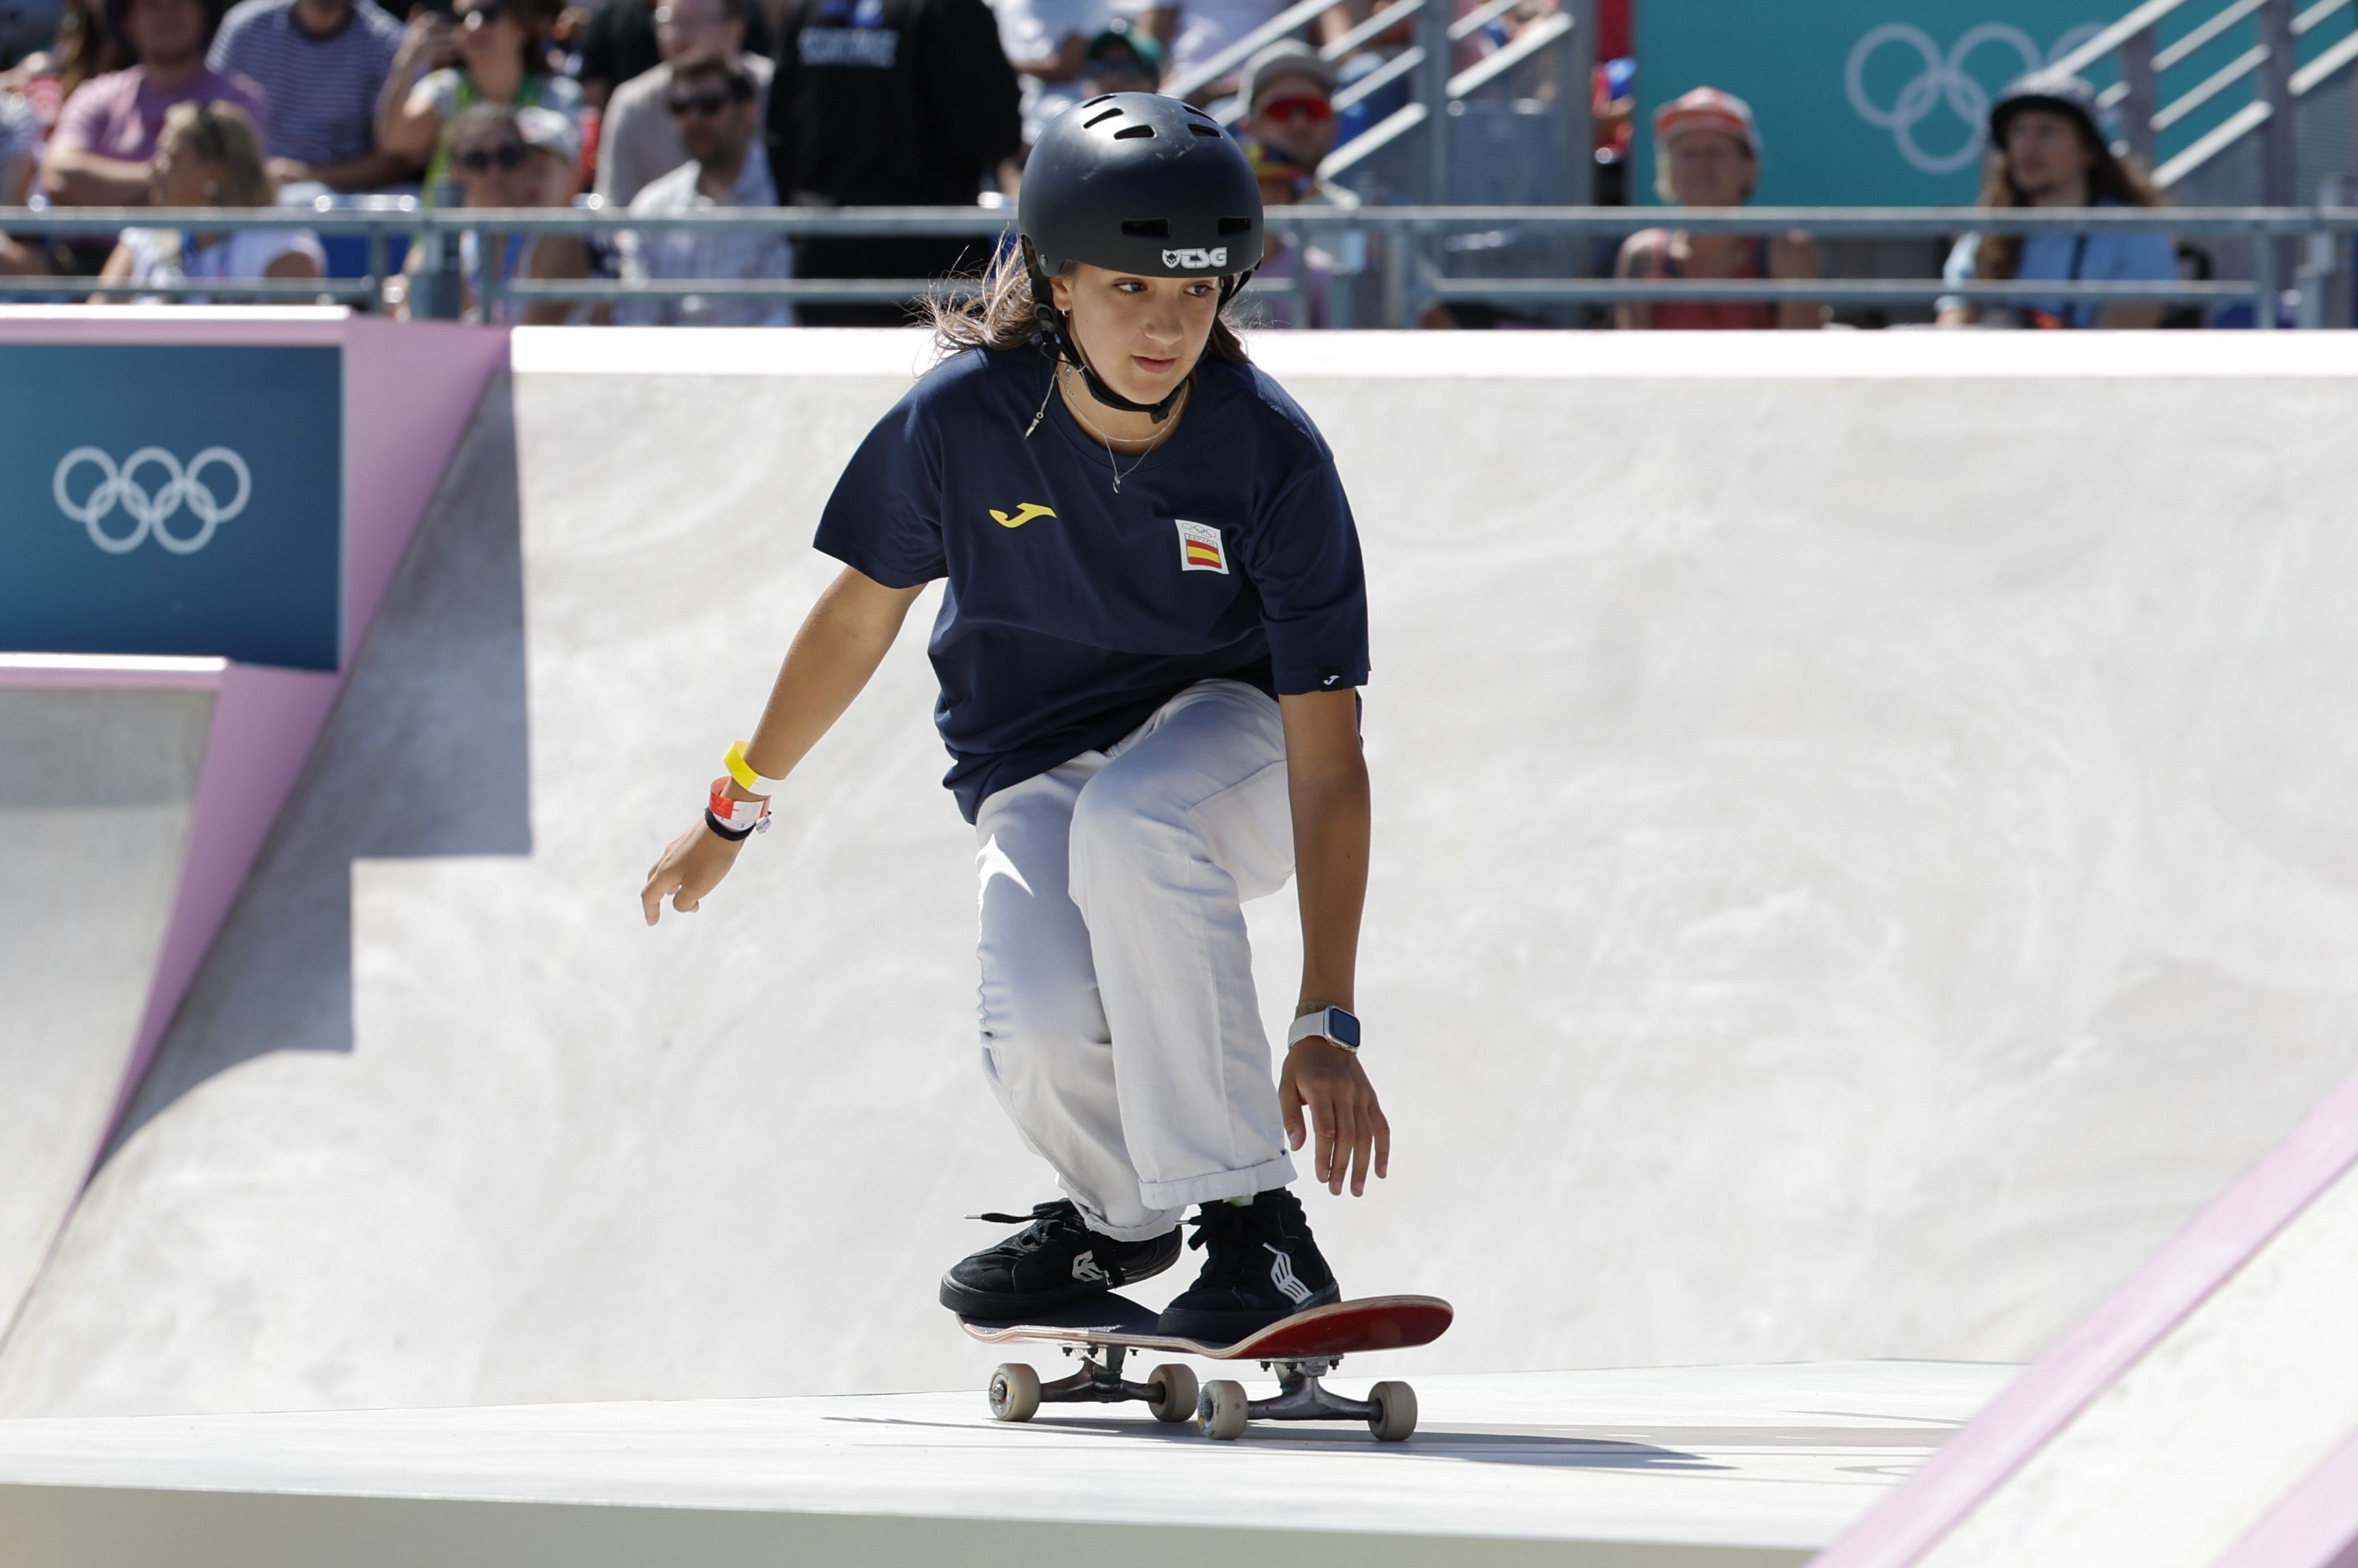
(743, 772)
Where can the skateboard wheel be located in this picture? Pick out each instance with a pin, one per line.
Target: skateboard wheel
(1174, 1391)
(1395, 1415)
(1014, 1392)
(1222, 1410)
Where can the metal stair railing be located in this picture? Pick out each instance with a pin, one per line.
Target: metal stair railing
(2278, 80)
(1569, 31)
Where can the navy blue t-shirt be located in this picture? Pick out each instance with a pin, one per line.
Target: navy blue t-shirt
(1072, 611)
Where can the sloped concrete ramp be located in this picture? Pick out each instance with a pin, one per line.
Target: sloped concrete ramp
(98, 783)
(1863, 855)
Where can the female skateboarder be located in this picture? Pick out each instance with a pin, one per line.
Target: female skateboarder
(1148, 651)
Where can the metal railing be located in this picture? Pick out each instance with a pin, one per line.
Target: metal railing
(1408, 240)
(1568, 33)
(2277, 81)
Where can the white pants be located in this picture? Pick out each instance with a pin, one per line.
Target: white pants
(1120, 1026)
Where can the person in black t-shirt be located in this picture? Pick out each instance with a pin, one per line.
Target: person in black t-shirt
(1149, 653)
(888, 103)
(619, 43)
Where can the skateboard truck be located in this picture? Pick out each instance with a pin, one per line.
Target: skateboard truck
(1169, 1390)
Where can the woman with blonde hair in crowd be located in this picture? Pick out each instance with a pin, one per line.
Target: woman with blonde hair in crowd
(210, 155)
(1707, 154)
(484, 51)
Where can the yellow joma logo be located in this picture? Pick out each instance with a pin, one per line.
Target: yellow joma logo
(1024, 513)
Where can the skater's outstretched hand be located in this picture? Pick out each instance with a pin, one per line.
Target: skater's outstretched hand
(842, 640)
(1329, 1082)
(692, 866)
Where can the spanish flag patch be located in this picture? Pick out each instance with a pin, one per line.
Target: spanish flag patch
(1200, 549)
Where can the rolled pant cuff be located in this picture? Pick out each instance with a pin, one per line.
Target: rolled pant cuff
(1217, 1184)
(1147, 1230)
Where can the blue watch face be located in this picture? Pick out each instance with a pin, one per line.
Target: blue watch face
(1343, 1027)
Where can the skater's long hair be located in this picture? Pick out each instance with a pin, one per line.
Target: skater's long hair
(2111, 177)
(999, 315)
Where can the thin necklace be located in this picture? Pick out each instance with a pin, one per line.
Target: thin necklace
(1170, 426)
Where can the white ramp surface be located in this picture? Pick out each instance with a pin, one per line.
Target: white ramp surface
(1864, 852)
(97, 785)
(1683, 1467)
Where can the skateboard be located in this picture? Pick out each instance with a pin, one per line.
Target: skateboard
(1301, 1350)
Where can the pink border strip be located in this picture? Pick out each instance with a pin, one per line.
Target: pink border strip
(2102, 1345)
(2316, 1526)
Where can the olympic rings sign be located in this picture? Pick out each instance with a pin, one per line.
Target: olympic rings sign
(1942, 78)
(149, 509)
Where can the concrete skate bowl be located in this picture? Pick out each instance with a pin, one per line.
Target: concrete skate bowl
(1863, 854)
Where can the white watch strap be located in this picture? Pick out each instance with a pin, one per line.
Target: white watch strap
(1312, 1026)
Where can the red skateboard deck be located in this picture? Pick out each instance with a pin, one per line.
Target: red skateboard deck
(1345, 1328)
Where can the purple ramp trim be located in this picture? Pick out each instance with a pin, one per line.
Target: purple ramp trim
(2098, 1350)
(410, 390)
(2315, 1526)
(264, 723)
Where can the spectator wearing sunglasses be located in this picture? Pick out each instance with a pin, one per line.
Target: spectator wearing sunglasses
(494, 163)
(713, 98)
(210, 155)
(108, 131)
(485, 51)
(637, 139)
(1288, 96)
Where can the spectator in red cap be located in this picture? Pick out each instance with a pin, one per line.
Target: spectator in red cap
(1288, 96)
(1707, 154)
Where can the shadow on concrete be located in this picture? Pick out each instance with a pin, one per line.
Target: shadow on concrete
(1488, 1446)
(424, 755)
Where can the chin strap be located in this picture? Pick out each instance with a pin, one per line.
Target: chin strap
(1061, 346)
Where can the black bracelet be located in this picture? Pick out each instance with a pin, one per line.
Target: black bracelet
(736, 836)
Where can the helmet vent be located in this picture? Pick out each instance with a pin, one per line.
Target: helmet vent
(1203, 130)
(1129, 132)
(1235, 225)
(1095, 120)
(1091, 102)
(1148, 228)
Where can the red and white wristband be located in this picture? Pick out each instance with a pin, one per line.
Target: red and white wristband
(735, 820)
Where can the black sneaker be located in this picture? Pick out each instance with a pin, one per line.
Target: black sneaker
(1260, 1265)
(1053, 1260)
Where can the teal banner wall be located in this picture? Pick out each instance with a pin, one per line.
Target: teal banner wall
(1861, 102)
(165, 499)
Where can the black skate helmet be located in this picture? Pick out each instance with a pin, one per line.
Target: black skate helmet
(1141, 184)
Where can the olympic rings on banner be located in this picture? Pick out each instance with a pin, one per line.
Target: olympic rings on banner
(1942, 79)
(149, 509)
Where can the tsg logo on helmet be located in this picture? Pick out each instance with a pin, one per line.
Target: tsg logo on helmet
(1194, 261)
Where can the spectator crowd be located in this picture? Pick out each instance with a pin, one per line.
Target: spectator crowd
(691, 106)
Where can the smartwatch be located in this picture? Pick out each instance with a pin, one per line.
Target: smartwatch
(1337, 1025)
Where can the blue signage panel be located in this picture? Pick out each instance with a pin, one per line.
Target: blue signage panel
(1861, 102)
(168, 499)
